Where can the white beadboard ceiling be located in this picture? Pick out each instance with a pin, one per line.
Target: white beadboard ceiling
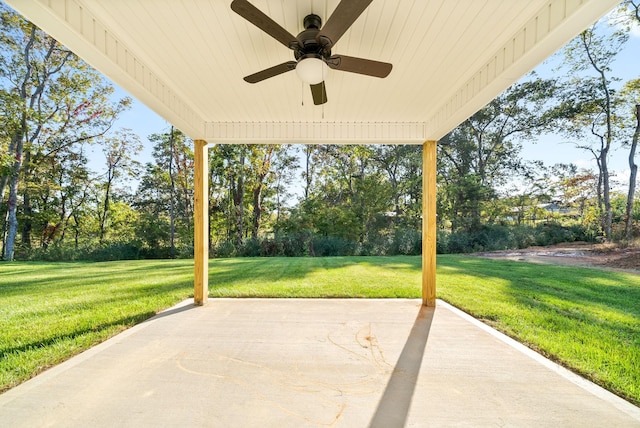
(185, 59)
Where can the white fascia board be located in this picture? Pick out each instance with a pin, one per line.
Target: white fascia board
(316, 132)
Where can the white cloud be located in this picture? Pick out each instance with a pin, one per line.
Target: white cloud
(585, 163)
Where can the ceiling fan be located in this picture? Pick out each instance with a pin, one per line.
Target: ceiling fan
(312, 47)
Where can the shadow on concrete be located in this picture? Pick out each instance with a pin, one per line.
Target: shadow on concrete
(173, 311)
(393, 408)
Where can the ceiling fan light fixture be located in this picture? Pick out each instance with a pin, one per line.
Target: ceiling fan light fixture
(312, 70)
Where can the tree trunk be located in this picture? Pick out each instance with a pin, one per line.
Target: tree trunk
(632, 178)
(607, 217)
(308, 172)
(4, 181)
(262, 171)
(17, 141)
(27, 210)
(4, 233)
(278, 203)
(12, 204)
(599, 197)
(238, 202)
(172, 193)
(63, 220)
(105, 207)
(76, 232)
(12, 219)
(257, 210)
(606, 137)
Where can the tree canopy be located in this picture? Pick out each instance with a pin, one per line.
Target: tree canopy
(57, 113)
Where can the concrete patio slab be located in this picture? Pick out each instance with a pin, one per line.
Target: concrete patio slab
(315, 363)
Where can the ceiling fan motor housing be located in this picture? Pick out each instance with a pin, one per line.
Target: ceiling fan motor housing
(312, 21)
(309, 44)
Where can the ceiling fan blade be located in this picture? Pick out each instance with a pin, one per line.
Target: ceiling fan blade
(319, 93)
(270, 72)
(360, 65)
(342, 18)
(263, 22)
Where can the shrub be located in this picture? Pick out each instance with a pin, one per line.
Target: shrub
(249, 248)
(406, 242)
(458, 243)
(442, 241)
(523, 236)
(53, 253)
(398, 241)
(271, 248)
(298, 244)
(333, 246)
(376, 244)
(500, 237)
(115, 251)
(224, 249)
(554, 233)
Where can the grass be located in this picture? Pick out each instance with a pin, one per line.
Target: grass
(359, 277)
(51, 311)
(587, 319)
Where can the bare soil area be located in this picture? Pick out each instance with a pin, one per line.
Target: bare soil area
(585, 254)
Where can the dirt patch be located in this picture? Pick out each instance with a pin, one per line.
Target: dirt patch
(576, 254)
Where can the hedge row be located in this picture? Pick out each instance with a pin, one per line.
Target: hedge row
(306, 244)
(406, 242)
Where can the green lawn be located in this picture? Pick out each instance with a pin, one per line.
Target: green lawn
(585, 318)
(51, 311)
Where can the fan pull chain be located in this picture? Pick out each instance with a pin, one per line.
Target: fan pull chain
(324, 95)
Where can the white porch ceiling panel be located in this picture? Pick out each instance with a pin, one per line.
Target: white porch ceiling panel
(186, 59)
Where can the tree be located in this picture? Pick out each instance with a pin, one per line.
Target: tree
(59, 186)
(309, 169)
(633, 168)
(228, 190)
(260, 161)
(284, 166)
(247, 185)
(119, 151)
(166, 189)
(578, 189)
(630, 13)
(597, 103)
(484, 151)
(535, 188)
(50, 100)
(349, 196)
(152, 202)
(236, 177)
(633, 9)
(403, 166)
